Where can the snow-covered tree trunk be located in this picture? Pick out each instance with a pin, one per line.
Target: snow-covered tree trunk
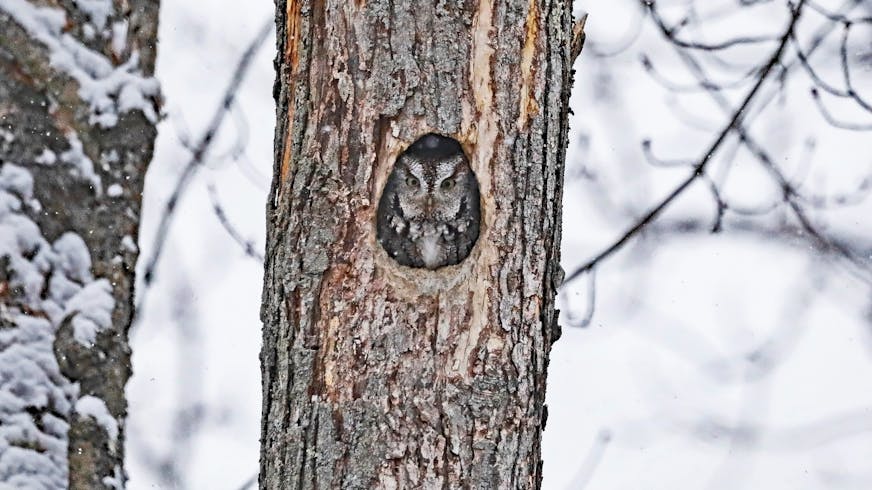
(382, 376)
(78, 107)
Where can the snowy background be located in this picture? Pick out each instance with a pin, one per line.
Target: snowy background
(737, 359)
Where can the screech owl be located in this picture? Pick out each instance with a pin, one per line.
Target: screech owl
(428, 214)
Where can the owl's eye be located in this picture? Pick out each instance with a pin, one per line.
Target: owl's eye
(412, 182)
(447, 184)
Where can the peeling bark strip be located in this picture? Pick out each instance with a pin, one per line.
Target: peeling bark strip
(78, 106)
(382, 376)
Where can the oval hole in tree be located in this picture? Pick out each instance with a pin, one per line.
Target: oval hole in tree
(429, 215)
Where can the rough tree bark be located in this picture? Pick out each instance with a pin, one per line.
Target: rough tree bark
(377, 375)
(78, 107)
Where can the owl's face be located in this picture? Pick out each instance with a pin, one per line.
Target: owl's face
(431, 189)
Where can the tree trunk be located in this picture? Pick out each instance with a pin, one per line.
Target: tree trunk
(377, 375)
(78, 109)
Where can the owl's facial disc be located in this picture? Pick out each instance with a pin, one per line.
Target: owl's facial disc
(414, 188)
(448, 186)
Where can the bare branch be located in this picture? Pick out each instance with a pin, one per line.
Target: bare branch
(837, 17)
(249, 483)
(626, 40)
(247, 245)
(697, 86)
(700, 166)
(831, 119)
(199, 152)
(585, 320)
(592, 460)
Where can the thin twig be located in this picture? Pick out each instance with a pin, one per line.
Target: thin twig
(832, 120)
(592, 460)
(585, 320)
(745, 79)
(249, 483)
(247, 245)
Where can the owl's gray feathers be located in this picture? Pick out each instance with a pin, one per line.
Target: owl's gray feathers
(428, 215)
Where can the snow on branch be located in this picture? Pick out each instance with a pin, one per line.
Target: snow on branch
(42, 285)
(93, 407)
(108, 90)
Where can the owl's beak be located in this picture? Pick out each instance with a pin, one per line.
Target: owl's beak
(428, 204)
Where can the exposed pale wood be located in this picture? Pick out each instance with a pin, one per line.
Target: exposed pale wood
(377, 375)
